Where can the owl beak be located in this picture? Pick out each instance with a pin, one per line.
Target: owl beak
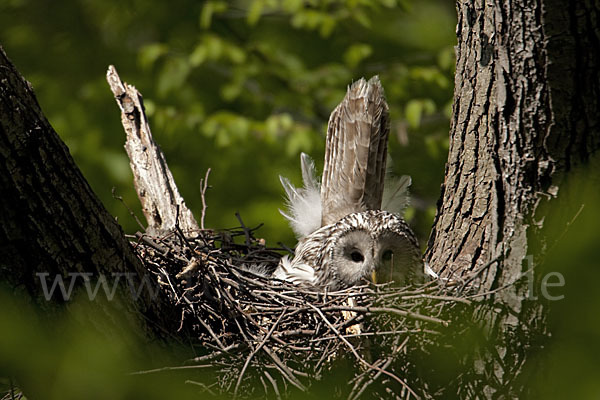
(374, 277)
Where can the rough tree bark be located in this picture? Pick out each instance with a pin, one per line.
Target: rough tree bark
(51, 221)
(526, 112)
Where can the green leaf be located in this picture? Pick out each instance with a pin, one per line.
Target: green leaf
(429, 106)
(299, 141)
(362, 18)
(150, 53)
(230, 91)
(206, 14)
(447, 109)
(413, 112)
(214, 47)
(173, 75)
(388, 3)
(327, 25)
(198, 56)
(236, 55)
(409, 213)
(117, 165)
(209, 10)
(255, 11)
(446, 58)
(416, 108)
(357, 53)
(299, 19)
(149, 107)
(313, 18)
(292, 6)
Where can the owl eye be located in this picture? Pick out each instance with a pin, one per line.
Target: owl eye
(356, 256)
(387, 255)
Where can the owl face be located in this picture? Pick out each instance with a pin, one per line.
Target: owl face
(344, 253)
(354, 256)
(397, 259)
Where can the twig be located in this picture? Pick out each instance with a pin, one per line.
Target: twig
(358, 357)
(253, 353)
(388, 310)
(501, 288)
(284, 368)
(475, 274)
(220, 353)
(129, 210)
(203, 187)
(211, 333)
(441, 298)
(273, 383)
(175, 368)
(244, 228)
(383, 368)
(202, 385)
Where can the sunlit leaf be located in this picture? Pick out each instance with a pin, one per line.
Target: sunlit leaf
(413, 112)
(362, 18)
(198, 55)
(209, 10)
(357, 53)
(327, 25)
(299, 141)
(173, 75)
(255, 11)
(150, 53)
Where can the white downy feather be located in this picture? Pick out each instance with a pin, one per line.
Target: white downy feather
(303, 204)
(429, 272)
(297, 273)
(261, 269)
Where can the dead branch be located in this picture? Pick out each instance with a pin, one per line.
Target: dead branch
(203, 188)
(162, 205)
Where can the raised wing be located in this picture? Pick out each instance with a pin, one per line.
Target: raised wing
(355, 152)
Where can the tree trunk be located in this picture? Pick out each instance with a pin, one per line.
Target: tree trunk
(526, 111)
(52, 224)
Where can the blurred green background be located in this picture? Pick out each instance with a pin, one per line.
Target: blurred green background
(241, 87)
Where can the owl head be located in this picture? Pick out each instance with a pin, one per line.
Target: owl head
(376, 245)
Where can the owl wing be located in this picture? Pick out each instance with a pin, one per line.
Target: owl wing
(303, 204)
(355, 152)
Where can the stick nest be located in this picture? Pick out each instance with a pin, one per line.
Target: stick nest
(255, 337)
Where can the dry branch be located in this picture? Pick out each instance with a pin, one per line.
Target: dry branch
(163, 206)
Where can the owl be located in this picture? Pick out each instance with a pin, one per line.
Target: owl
(349, 226)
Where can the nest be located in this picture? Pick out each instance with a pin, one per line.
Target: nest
(259, 337)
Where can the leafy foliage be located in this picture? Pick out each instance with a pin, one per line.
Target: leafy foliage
(241, 87)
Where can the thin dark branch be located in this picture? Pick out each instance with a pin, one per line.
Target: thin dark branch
(203, 187)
